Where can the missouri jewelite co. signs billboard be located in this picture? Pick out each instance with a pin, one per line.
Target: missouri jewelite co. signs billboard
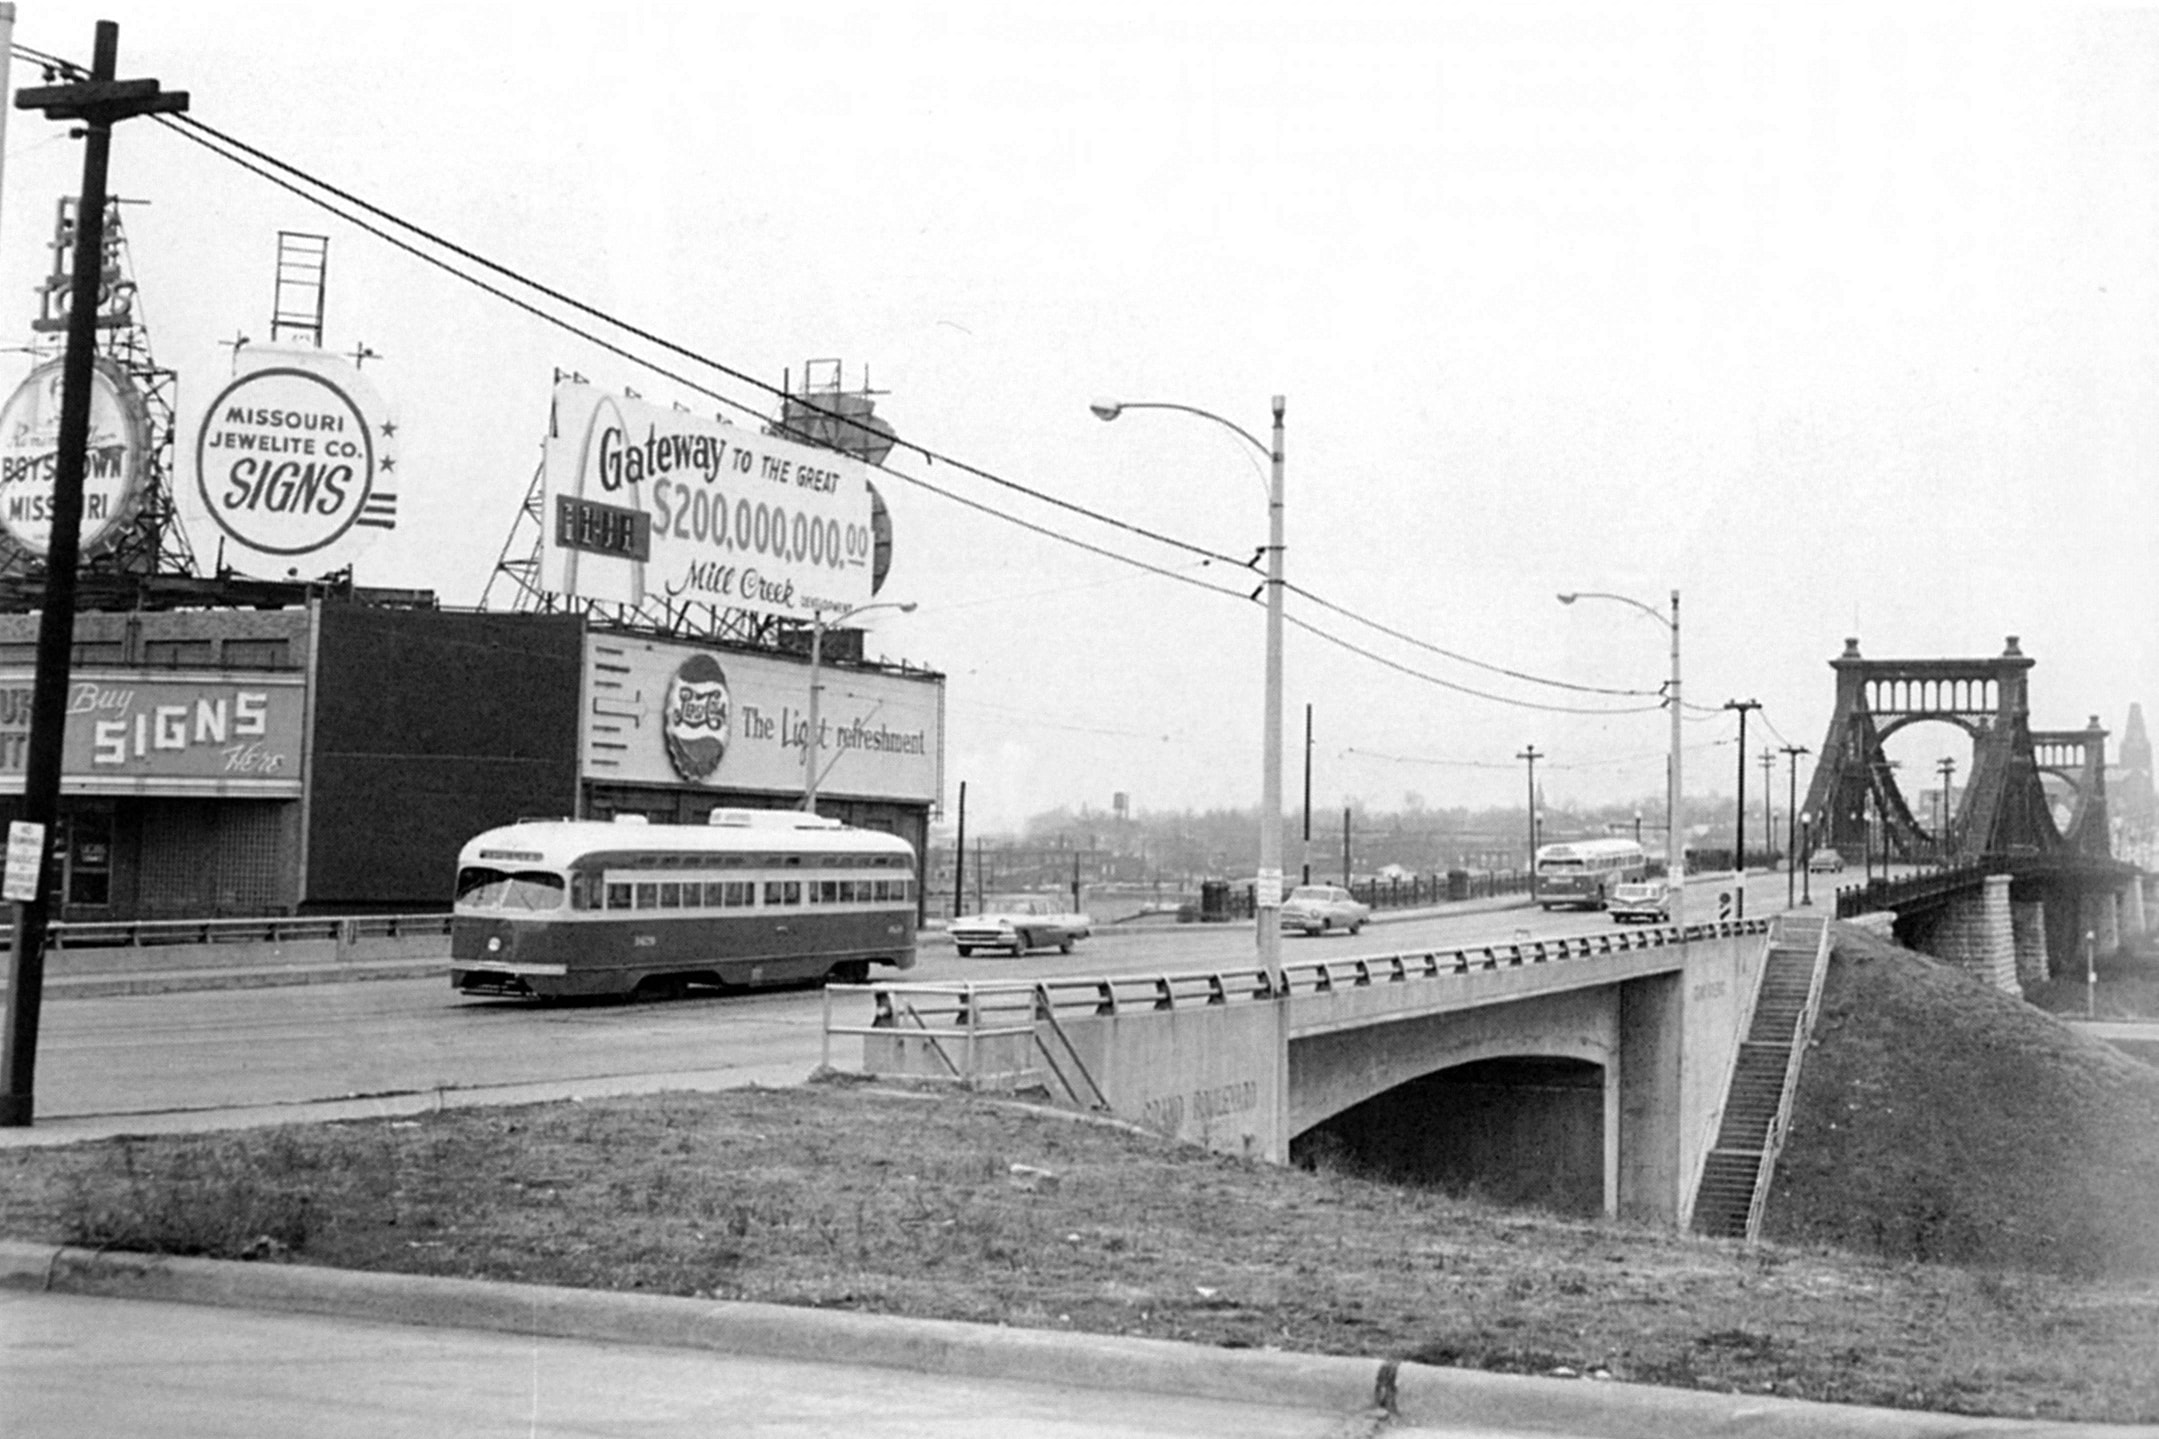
(646, 502)
(115, 465)
(295, 465)
(670, 714)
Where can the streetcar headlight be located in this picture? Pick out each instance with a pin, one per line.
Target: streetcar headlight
(494, 944)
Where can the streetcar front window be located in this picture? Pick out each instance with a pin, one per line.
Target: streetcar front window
(479, 887)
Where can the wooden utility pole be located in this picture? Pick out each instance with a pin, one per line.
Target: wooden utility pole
(1532, 754)
(95, 105)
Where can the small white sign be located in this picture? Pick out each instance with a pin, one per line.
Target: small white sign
(25, 860)
(1270, 889)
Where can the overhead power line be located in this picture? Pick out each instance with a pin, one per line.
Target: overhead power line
(262, 164)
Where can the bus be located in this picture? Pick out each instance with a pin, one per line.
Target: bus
(1583, 874)
(554, 908)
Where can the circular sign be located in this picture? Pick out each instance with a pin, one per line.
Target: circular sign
(286, 462)
(113, 460)
(694, 717)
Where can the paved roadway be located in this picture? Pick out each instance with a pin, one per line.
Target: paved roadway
(209, 1058)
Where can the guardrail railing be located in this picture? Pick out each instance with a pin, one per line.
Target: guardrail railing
(83, 934)
(956, 1019)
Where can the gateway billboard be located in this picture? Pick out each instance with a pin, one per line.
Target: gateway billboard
(679, 715)
(647, 502)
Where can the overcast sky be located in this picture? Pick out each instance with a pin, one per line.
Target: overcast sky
(1843, 322)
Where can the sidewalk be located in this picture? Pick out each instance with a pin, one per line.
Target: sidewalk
(1094, 1384)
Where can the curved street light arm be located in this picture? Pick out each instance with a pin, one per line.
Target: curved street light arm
(1111, 409)
(1675, 864)
(1568, 599)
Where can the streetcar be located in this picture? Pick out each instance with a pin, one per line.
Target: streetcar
(554, 908)
(1584, 874)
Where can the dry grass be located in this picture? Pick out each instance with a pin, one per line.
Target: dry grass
(1941, 1120)
(839, 1195)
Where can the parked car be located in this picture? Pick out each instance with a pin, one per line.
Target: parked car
(1646, 901)
(1019, 922)
(1825, 861)
(1318, 908)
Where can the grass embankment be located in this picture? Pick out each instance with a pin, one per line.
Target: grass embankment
(1941, 1120)
(838, 1196)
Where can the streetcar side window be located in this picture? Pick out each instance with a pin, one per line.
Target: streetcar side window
(670, 895)
(618, 896)
(741, 893)
(648, 896)
(778, 891)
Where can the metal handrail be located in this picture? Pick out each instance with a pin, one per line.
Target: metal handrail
(969, 1000)
(1780, 1123)
(260, 929)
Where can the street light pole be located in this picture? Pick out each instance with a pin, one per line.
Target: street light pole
(1532, 756)
(1792, 858)
(1947, 768)
(810, 735)
(1267, 901)
(1739, 826)
(1675, 838)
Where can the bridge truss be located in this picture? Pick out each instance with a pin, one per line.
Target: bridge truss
(2003, 809)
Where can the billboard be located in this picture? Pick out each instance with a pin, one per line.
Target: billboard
(129, 732)
(295, 465)
(115, 464)
(681, 715)
(647, 502)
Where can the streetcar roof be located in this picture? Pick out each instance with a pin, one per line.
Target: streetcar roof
(559, 842)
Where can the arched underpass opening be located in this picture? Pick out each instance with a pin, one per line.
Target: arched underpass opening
(1520, 1131)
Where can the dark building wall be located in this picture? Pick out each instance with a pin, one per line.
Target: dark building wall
(430, 727)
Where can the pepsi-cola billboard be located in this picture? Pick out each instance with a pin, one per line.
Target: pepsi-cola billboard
(646, 502)
(674, 714)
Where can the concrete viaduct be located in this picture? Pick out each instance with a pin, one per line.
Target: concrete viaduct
(1589, 1074)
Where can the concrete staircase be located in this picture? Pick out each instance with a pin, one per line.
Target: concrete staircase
(1757, 1108)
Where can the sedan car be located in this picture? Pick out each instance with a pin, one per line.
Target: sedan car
(1645, 900)
(1318, 908)
(1019, 922)
(1825, 861)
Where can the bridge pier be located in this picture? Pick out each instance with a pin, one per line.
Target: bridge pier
(2028, 926)
(1976, 932)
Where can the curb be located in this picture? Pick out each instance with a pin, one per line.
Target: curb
(1403, 1393)
(931, 1346)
